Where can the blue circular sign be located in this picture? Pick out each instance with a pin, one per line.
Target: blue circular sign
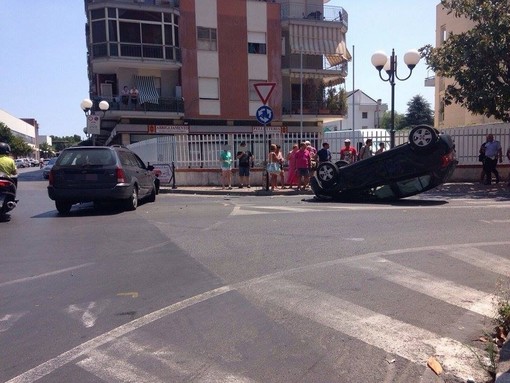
(264, 114)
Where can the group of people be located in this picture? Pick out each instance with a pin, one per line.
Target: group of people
(129, 97)
(302, 161)
(490, 153)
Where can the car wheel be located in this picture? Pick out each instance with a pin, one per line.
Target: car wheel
(132, 202)
(327, 173)
(422, 137)
(152, 195)
(63, 207)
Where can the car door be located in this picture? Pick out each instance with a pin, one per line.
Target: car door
(142, 174)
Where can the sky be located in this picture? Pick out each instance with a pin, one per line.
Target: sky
(43, 62)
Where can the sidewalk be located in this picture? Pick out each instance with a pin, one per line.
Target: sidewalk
(473, 190)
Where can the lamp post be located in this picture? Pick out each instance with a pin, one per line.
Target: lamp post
(86, 105)
(380, 61)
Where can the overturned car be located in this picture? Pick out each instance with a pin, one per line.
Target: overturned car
(421, 164)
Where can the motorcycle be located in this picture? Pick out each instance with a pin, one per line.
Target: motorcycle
(8, 186)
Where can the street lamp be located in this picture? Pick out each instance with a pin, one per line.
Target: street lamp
(86, 105)
(389, 64)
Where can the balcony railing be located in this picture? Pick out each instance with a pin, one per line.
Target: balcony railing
(310, 108)
(300, 10)
(143, 51)
(165, 105)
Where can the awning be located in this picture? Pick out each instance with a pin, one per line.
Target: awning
(147, 91)
(315, 39)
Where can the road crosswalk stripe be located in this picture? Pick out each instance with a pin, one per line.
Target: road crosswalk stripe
(112, 365)
(378, 330)
(447, 291)
(115, 370)
(481, 259)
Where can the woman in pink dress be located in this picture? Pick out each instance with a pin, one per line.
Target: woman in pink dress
(291, 176)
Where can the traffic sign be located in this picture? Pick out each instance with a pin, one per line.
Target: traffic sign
(264, 114)
(93, 124)
(264, 90)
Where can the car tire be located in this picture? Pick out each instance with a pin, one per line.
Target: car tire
(132, 202)
(327, 173)
(422, 137)
(152, 195)
(63, 207)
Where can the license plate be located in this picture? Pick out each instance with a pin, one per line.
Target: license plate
(90, 177)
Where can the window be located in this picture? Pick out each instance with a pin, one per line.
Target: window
(442, 32)
(208, 88)
(364, 115)
(257, 43)
(251, 90)
(206, 39)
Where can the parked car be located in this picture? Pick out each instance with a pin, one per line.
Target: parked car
(100, 174)
(47, 168)
(423, 163)
(20, 163)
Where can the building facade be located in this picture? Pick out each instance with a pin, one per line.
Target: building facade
(454, 115)
(195, 62)
(25, 128)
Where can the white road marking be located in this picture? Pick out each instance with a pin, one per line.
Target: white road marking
(40, 276)
(115, 370)
(112, 365)
(447, 291)
(481, 259)
(86, 313)
(8, 320)
(391, 335)
(53, 364)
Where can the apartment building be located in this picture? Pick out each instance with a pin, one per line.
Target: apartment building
(195, 62)
(454, 115)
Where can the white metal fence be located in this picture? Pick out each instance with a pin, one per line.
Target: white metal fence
(202, 150)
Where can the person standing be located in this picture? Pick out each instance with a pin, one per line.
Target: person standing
(291, 177)
(273, 166)
(366, 150)
(302, 163)
(381, 148)
(245, 160)
(324, 154)
(279, 157)
(226, 168)
(348, 153)
(125, 96)
(493, 152)
(133, 96)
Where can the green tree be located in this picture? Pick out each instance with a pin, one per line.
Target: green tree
(477, 60)
(386, 121)
(336, 100)
(46, 150)
(19, 148)
(418, 112)
(60, 143)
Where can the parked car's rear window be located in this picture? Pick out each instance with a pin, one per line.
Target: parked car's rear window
(97, 157)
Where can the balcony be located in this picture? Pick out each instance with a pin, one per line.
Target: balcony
(292, 10)
(164, 105)
(310, 108)
(158, 3)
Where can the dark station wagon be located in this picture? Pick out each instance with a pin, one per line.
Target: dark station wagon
(423, 163)
(100, 174)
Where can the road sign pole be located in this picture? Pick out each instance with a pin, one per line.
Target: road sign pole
(265, 160)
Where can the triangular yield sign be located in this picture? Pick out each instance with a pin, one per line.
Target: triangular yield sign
(264, 90)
